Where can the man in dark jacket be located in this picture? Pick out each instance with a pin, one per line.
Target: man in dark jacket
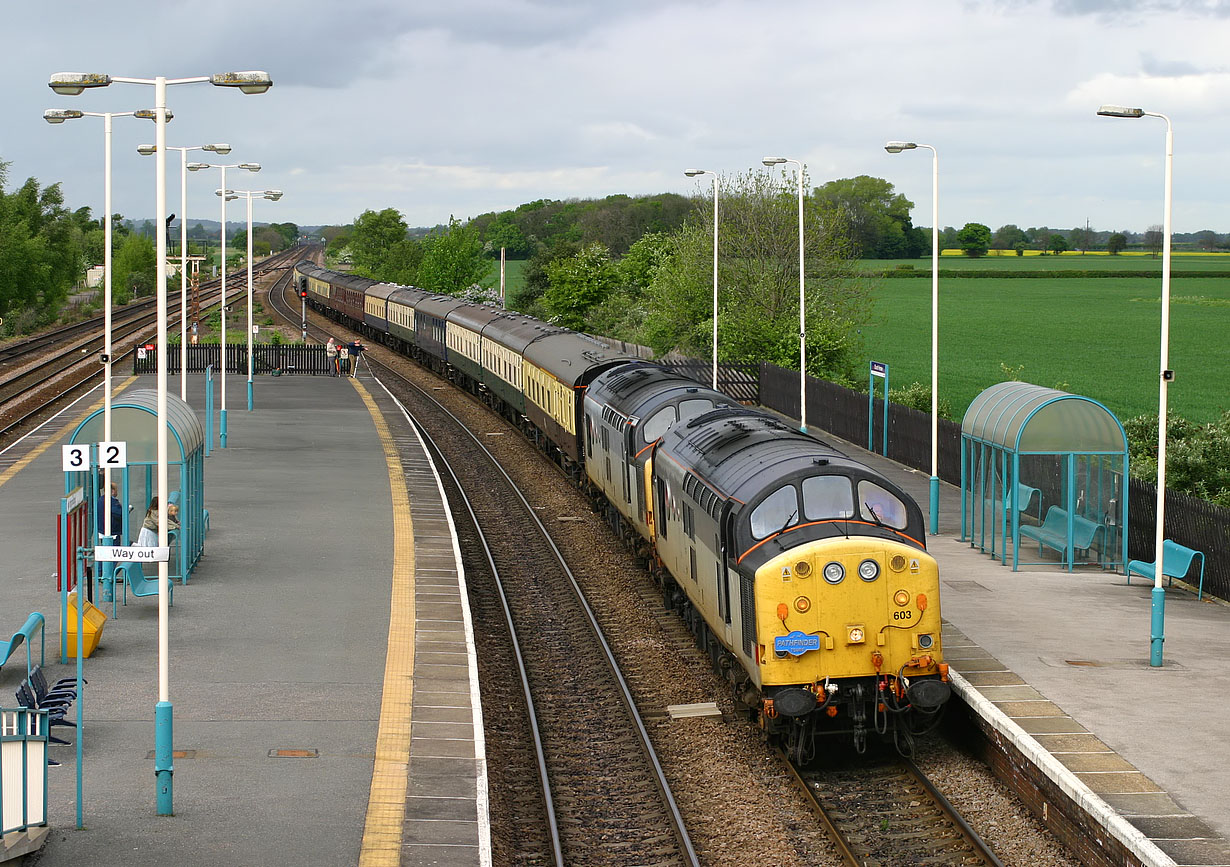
(117, 513)
(356, 353)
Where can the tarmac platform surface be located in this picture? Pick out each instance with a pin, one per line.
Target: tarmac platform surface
(279, 643)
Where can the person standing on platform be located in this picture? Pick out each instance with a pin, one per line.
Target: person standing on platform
(343, 359)
(117, 513)
(356, 354)
(331, 357)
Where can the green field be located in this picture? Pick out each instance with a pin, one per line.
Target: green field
(513, 279)
(1133, 261)
(1098, 337)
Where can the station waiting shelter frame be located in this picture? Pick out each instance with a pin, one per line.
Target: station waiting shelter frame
(1053, 463)
(134, 420)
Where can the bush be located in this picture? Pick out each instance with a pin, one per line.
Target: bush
(918, 396)
(1197, 456)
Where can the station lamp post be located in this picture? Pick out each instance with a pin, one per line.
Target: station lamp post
(777, 161)
(146, 150)
(59, 115)
(273, 196)
(197, 167)
(717, 179)
(1158, 629)
(72, 84)
(896, 147)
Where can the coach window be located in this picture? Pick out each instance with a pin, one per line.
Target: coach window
(827, 497)
(775, 513)
(657, 424)
(881, 506)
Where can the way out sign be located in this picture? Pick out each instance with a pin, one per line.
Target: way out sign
(131, 554)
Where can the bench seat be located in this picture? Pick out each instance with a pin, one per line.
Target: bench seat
(1053, 532)
(22, 636)
(1176, 563)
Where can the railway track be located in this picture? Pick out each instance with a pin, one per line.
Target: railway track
(603, 793)
(888, 812)
(42, 371)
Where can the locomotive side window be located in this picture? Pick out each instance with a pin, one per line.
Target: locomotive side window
(775, 513)
(881, 506)
(656, 424)
(828, 497)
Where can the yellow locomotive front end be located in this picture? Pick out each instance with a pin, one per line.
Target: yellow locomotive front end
(849, 637)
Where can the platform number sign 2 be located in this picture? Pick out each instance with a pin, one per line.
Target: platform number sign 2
(113, 455)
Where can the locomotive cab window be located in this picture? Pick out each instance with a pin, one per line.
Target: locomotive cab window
(881, 506)
(775, 513)
(693, 407)
(828, 497)
(656, 424)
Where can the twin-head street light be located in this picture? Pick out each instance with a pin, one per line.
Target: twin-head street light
(1158, 620)
(147, 150)
(717, 180)
(777, 161)
(273, 196)
(71, 84)
(250, 167)
(59, 115)
(896, 147)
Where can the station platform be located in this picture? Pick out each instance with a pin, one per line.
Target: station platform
(1064, 657)
(323, 638)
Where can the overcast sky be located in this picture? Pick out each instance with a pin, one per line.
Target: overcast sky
(440, 109)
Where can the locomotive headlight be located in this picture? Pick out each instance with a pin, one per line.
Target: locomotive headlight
(802, 605)
(902, 598)
(869, 570)
(856, 635)
(834, 572)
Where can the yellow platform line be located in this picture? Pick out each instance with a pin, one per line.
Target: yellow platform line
(386, 803)
(63, 432)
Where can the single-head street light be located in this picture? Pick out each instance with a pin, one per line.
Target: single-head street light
(692, 173)
(272, 195)
(1121, 111)
(896, 147)
(777, 161)
(1158, 620)
(196, 167)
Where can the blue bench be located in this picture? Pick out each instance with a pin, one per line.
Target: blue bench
(1053, 532)
(134, 580)
(24, 636)
(1176, 562)
(1024, 495)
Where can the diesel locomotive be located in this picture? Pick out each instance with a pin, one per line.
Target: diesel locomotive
(803, 573)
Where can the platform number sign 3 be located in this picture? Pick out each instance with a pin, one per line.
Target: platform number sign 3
(76, 458)
(113, 455)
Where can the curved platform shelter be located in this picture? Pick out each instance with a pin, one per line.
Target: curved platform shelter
(1046, 467)
(134, 421)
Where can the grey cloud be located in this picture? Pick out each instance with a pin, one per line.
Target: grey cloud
(1162, 68)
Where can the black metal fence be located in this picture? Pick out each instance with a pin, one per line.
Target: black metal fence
(1190, 521)
(266, 358)
(740, 380)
